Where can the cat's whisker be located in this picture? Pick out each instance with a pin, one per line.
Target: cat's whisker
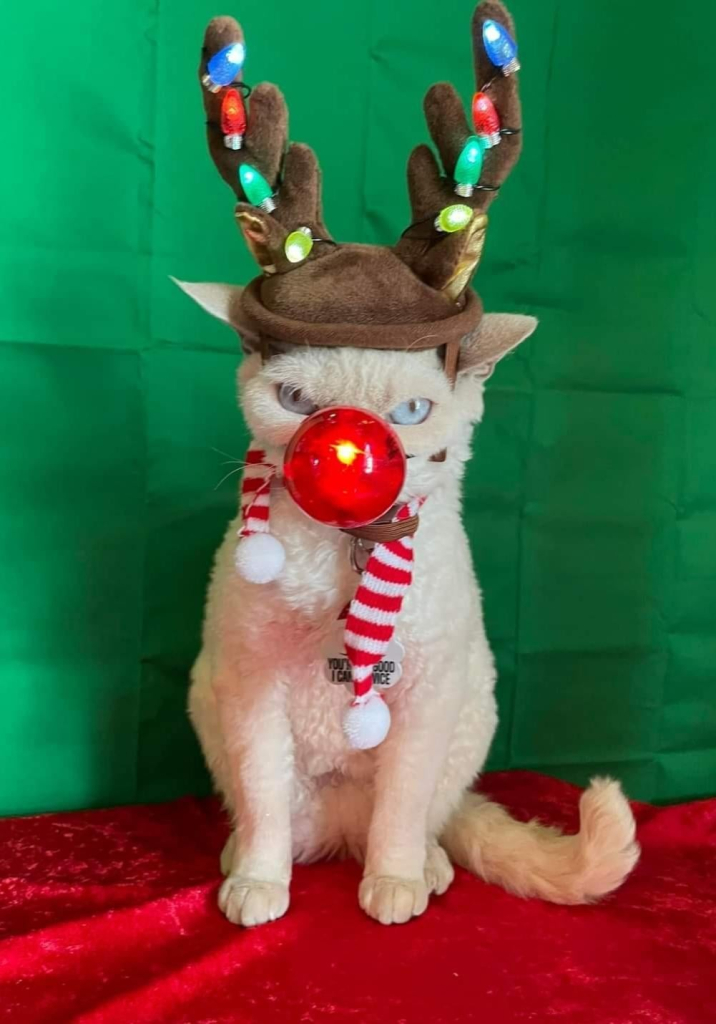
(227, 454)
(223, 479)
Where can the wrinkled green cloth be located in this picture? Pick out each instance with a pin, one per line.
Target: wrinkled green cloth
(592, 498)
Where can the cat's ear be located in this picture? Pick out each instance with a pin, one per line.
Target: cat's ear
(497, 335)
(220, 300)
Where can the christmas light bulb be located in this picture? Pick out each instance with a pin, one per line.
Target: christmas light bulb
(453, 218)
(256, 189)
(344, 467)
(469, 167)
(298, 245)
(223, 68)
(500, 47)
(233, 119)
(486, 120)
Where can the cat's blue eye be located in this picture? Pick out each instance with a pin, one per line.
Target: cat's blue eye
(410, 413)
(294, 400)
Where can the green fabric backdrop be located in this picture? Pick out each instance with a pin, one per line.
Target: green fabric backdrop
(592, 498)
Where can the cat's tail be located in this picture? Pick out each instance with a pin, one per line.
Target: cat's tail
(532, 860)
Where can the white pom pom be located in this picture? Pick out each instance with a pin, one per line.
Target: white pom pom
(366, 721)
(260, 558)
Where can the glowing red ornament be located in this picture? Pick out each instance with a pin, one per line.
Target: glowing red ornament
(486, 120)
(344, 467)
(233, 119)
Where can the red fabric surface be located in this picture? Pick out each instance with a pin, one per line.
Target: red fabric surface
(111, 916)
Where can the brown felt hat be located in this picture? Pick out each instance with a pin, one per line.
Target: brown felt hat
(414, 295)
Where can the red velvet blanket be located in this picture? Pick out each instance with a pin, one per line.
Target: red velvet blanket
(111, 916)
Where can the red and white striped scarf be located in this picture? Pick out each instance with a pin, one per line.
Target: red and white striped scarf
(256, 492)
(384, 583)
(376, 605)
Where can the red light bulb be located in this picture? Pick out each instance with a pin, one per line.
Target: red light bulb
(485, 119)
(344, 467)
(233, 119)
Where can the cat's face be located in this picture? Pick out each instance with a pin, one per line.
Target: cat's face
(408, 389)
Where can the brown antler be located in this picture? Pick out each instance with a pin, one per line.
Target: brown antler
(447, 262)
(293, 176)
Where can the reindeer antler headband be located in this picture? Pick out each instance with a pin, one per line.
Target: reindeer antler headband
(314, 291)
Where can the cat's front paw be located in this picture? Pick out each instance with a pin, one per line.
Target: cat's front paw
(249, 902)
(439, 872)
(393, 900)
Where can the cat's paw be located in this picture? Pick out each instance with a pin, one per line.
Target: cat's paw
(393, 900)
(250, 902)
(439, 872)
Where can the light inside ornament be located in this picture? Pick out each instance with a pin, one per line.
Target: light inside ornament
(500, 47)
(344, 467)
(224, 66)
(256, 189)
(453, 218)
(469, 166)
(486, 120)
(347, 452)
(233, 119)
(298, 245)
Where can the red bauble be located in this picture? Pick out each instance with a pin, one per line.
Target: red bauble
(344, 467)
(485, 119)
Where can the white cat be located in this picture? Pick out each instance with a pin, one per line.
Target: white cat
(270, 723)
(330, 324)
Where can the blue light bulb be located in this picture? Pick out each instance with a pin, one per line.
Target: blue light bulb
(224, 66)
(500, 47)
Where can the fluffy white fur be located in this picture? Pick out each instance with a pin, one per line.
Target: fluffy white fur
(270, 724)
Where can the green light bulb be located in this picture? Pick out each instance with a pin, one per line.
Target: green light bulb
(256, 189)
(469, 166)
(298, 245)
(453, 218)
